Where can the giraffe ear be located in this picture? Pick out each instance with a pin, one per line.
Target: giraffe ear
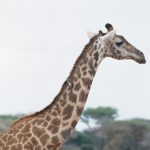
(90, 34)
(109, 36)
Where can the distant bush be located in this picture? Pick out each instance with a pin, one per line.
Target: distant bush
(6, 120)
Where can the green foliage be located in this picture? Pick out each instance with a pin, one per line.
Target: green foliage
(70, 147)
(136, 121)
(87, 147)
(9, 117)
(80, 138)
(131, 134)
(117, 137)
(99, 114)
(6, 120)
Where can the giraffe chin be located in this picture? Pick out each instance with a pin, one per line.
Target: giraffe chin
(141, 61)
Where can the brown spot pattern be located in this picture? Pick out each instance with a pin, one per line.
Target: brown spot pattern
(1, 143)
(84, 68)
(34, 141)
(82, 96)
(48, 118)
(95, 47)
(44, 138)
(64, 95)
(4, 138)
(64, 124)
(26, 129)
(55, 121)
(74, 78)
(79, 110)
(84, 73)
(6, 148)
(28, 146)
(90, 72)
(54, 129)
(23, 137)
(72, 97)
(55, 140)
(85, 81)
(96, 56)
(42, 122)
(38, 147)
(62, 102)
(52, 147)
(67, 112)
(90, 63)
(37, 131)
(73, 124)
(54, 114)
(77, 86)
(12, 141)
(66, 133)
(16, 147)
(78, 73)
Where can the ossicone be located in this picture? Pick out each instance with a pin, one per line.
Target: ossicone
(109, 27)
(101, 33)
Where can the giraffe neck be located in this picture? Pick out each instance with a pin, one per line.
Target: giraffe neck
(68, 105)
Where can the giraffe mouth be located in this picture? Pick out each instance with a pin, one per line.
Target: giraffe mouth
(138, 56)
(141, 58)
(141, 61)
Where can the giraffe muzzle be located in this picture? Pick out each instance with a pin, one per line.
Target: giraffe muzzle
(141, 58)
(142, 61)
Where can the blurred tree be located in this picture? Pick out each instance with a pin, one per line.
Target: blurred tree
(117, 137)
(124, 135)
(70, 147)
(145, 144)
(86, 147)
(81, 140)
(6, 120)
(99, 115)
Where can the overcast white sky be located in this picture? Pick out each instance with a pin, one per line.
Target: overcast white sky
(41, 39)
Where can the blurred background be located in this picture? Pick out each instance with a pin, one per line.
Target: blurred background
(39, 43)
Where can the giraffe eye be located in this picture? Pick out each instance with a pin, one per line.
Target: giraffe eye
(119, 43)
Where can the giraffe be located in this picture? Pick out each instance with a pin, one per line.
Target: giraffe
(49, 128)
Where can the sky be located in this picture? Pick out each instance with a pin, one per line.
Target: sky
(41, 39)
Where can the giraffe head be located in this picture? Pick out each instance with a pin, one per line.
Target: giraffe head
(117, 47)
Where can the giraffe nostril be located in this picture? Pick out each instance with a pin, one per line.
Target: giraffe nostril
(139, 53)
(142, 54)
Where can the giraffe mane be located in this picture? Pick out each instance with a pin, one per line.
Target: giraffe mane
(85, 50)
